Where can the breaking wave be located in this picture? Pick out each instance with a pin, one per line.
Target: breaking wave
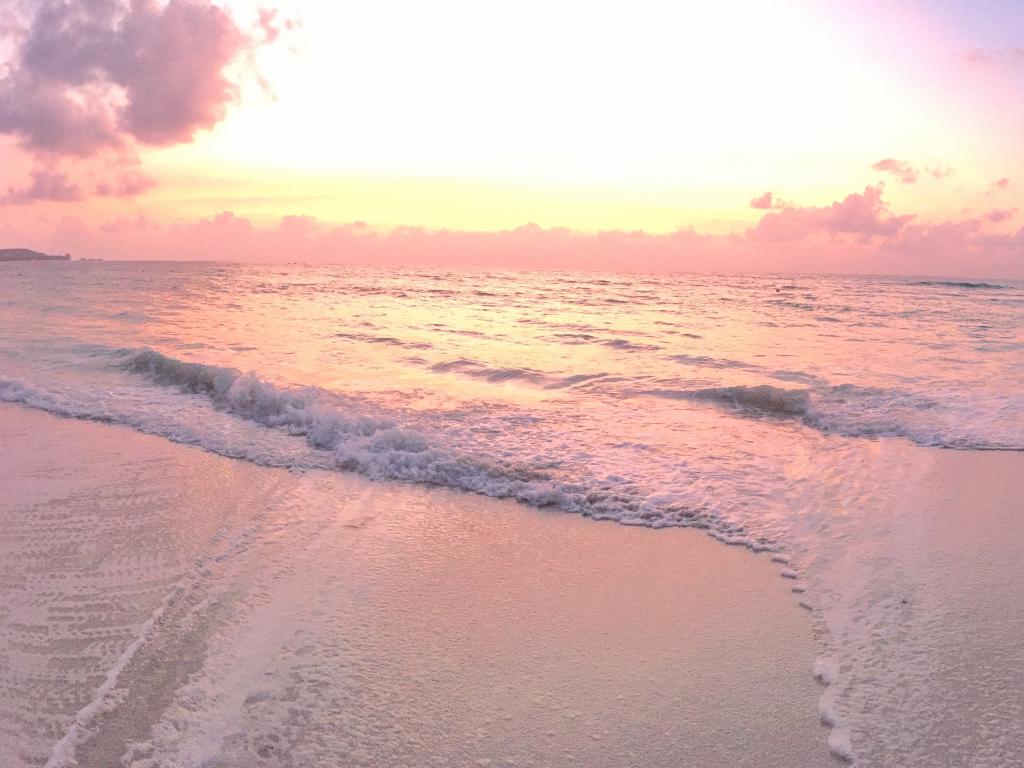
(504, 454)
(865, 412)
(378, 446)
(959, 284)
(763, 399)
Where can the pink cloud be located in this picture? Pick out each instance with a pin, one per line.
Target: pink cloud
(854, 235)
(272, 27)
(127, 184)
(955, 248)
(90, 76)
(996, 56)
(898, 168)
(46, 185)
(87, 79)
(134, 225)
(863, 215)
(997, 186)
(762, 202)
(999, 215)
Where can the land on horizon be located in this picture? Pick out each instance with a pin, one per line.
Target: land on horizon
(27, 254)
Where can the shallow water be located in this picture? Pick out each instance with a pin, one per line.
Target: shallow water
(753, 407)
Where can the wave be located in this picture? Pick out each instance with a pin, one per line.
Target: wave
(867, 412)
(579, 378)
(494, 452)
(500, 375)
(477, 370)
(377, 446)
(763, 399)
(298, 411)
(580, 337)
(629, 346)
(960, 284)
(703, 361)
(389, 340)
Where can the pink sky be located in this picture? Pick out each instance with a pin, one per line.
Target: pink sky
(833, 136)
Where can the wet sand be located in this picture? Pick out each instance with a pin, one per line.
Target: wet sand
(259, 617)
(939, 679)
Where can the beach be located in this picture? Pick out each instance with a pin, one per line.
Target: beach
(938, 680)
(547, 385)
(236, 614)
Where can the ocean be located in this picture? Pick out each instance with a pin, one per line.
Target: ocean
(785, 414)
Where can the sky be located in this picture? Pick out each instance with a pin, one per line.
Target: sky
(825, 136)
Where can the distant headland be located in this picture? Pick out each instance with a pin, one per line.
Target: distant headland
(24, 254)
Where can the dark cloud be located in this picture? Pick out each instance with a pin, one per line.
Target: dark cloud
(95, 74)
(45, 185)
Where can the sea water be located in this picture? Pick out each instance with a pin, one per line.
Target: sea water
(782, 413)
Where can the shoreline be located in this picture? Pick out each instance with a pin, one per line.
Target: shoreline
(607, 640)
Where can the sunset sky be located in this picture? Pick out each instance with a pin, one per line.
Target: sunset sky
(737, 135)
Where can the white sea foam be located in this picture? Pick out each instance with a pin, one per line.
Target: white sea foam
(841, 744)
(374, 445)
(494, 455)
(825, 669)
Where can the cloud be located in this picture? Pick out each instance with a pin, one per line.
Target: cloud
(857, 234)
(863, 215)
(122, 224)
(89, 76)
(898, 168)
(997, 186)
(999, 215)
(762, 202)
(128, 184)
(231, 236)
(996, 56)
(46, 185)
(908, 174)
(961, 248)
(271, 26)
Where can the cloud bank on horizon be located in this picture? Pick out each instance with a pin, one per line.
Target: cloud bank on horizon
(116, 116)
(857, 235)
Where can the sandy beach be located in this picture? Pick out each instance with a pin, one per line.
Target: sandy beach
(237, 615)
(938, 680)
